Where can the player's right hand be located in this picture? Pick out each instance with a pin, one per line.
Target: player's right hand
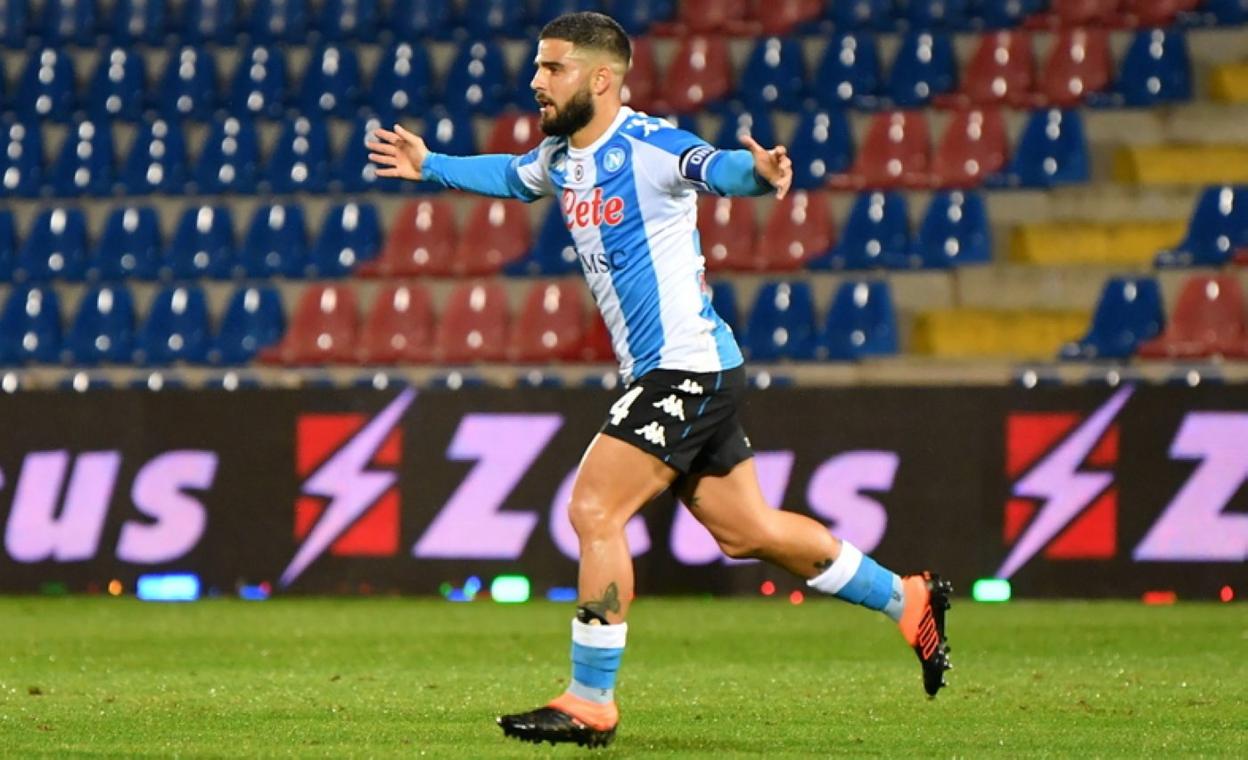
(397, 154)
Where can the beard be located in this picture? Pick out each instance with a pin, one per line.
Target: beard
(571, 116)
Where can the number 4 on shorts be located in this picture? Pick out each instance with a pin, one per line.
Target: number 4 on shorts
(619, 410)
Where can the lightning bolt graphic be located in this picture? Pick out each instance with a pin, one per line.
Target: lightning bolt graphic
(349, 485)
(1061, 488)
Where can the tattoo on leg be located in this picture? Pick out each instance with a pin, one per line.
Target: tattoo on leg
(610, 602)
(823, 565)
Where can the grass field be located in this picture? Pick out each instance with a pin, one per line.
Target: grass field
(105, 677)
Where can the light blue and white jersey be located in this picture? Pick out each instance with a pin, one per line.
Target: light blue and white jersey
(630, 203)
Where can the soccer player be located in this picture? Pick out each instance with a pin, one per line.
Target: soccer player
(627, 184)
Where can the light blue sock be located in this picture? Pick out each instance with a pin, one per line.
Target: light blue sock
(859, 579)
(596, 654)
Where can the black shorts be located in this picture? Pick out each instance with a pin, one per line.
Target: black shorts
(687, 419)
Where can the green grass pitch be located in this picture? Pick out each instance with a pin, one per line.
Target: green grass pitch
(104, 677)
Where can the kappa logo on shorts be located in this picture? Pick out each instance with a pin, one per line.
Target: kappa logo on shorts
(673, 406)
(653, 433)
(690, 387)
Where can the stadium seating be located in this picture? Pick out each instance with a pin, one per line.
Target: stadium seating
(129, 248)
(30, 326)
(699, 76)
(821, 146)
(876, 234)
(1078, 65)
(230, 161)
(300, 162)
(1000, 72)
(1207, 320)
(331, 83)
(117, 88)
(485, 19)
(56, 247)
(478, 82)
(895, 154)
(1157, 69)
(69, 22)
(176, 329)
(495, 234)
(21, 159)
(774, 76)
(323, 329)
(139, 21)
(849, 72)
(276, 244)
(724, 299)
(473, 327)
(103, 330)
(85, 165)
(553, 252)
(1068, 243)
(737, 122)
(349, 174)
(253, 322)
(972, 149)
(1052, 151)
(8, 244)
(781, 323)
(924, 67)
(278, 20)
(46, 89)
(349, 19)
(550, 326)
(641, 86)
(1179, 164)
(14, 21)
(1129, 313)
(1218, 228)
(954, 232)
(399, 328)
(349, 235)
(202, 245)
(402, 83)
(157, 159)
(727, 233)
(860, 14)
(211, 20)
(798, 231)
(861, 323)
(516, 133)
(188, 88)
(259, 84)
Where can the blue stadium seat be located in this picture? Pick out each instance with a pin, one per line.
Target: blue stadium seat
(231, 381)
(210, 21)
(86, 165)
(278, 21)
(176, 328)
(447, 133)
(300, 161)
(83, 382)
(349, 20)
(8, 244)
(1227, 12)
(21, 159)
(1218, 227)
(782, 323)
(1007, 14)
(954, 231)
(485, 19)
(253, 320)
(724, 299)
(737, 121)
(876, 234)
(938, 14)
(1157, 70)
(860, 14)
(925, 66)
(774, 76)
(403, 83)
(202, 245)
(4, 79)
(139, 22)
(157, 381)
(351, 234)
(188, 88)
(1129, 312)
(46, 90)
(69, 22)
(130, 246)
(352, 172)
(849, 72)
(1052, 151)
(636, 16)
(55, 248)
(258, 87)
(477, 82)
(553, 253)
(117, 87)
(420, 19)
(276, 244)
(822, 145)
(548, 10)
(861, 323)
(14, 23)
(30, 326)
(331, 82)
(157, 160)
(229, 162)
(103, 330)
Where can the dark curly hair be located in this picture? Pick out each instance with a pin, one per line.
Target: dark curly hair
(592, 31)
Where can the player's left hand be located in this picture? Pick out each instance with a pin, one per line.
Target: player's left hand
(773, 165)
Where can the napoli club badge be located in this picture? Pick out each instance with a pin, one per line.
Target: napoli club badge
(613, 160)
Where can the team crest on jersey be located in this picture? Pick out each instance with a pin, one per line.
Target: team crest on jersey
(613, 160)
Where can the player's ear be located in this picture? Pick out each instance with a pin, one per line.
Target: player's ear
(602, 80)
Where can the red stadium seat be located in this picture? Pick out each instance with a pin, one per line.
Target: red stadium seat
(473, 327)
(894, 155)
(1156, 12)
(1078, 65)
(1070, 13)
(800, 228)
(551, 324)
(727, 230)
(421, 242)
(515, 133)
(399, 328)
(700, 16)
(1001, 72)
(778, 17)
(974, 146)
(323, 329)
(699, 74)
(641, 87)
(597, 347)
(496, 234)
(1208, 320)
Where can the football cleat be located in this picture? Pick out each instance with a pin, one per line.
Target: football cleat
(554, 724)
(923, 625)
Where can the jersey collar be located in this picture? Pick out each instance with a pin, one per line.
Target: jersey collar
(607, 134)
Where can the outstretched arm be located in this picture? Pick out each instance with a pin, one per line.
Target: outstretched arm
(754, 171)
(404, 155)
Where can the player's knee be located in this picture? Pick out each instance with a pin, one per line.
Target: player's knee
(591, 517)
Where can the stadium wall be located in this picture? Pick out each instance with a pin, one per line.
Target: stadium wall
(1065, 491)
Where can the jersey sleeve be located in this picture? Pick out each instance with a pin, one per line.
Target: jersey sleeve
(683, 161)
(533, 170)
(523, 177)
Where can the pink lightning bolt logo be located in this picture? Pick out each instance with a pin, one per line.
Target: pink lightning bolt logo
(348, 484)
(1059, 485)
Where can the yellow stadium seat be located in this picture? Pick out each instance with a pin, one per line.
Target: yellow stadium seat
(1182, 165)
(981, 333)
(1114, 243)
(1229, 83)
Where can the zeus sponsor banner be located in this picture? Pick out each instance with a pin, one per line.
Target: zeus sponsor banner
(1067, 492)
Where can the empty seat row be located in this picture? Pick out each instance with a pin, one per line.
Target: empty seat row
(1209, 318)
(203, 245)
(1217, 233)
(106, 329)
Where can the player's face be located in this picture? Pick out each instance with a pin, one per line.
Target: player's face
(561, 87)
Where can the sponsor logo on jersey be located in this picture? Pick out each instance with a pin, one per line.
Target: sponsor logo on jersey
(592, 212)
